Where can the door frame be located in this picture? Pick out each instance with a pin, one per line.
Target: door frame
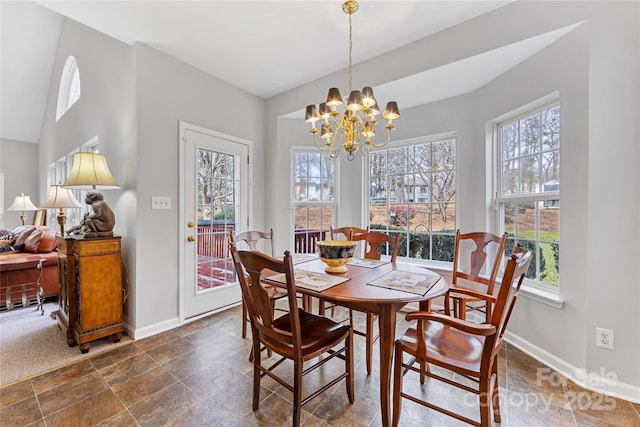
(182, 235)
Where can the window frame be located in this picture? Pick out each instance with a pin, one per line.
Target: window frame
(427, 139)
(58, 172)
(311, 203)
(499, 200)
(68, 91)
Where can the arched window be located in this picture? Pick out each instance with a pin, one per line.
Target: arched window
(69, 90)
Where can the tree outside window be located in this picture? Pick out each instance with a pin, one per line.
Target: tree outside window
(314, 201)
(413, 192)
(529, 188)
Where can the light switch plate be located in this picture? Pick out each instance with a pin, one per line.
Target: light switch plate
(160, 202)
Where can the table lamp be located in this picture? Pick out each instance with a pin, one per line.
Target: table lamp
(90, 172)
(23, 203)
(60, 198)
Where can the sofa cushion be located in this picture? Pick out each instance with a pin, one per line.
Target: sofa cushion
(21, 233)
(47, 240)
(33, 241)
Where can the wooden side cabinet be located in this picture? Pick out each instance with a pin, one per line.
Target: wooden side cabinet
(66, 313)
(91, 304)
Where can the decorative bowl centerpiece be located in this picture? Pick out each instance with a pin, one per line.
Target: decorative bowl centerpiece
(336, 253)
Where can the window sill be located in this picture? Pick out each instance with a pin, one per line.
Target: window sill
(540, 295)
(531, 292)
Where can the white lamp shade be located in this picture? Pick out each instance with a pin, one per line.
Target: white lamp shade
(90, 171)
(23, 203)
(59, 197)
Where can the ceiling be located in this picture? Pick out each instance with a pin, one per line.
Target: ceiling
(264, 47)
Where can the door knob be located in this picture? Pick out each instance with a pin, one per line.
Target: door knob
(190, 224)
(190, 238)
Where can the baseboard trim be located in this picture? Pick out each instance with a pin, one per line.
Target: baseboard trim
(594, 381)
(156, 328)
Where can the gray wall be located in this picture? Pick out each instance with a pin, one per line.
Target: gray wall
(133, 98)
(596, 70)
(19, 162)
(106, 109)
(170, 91)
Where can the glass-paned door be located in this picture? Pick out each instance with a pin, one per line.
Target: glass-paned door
(215, 204)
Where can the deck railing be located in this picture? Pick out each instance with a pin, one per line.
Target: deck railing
(305, 240)
(212, 240)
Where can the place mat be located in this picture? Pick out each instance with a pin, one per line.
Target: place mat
(310, 280)
(406, 281)
(367, 263)
(300, 258)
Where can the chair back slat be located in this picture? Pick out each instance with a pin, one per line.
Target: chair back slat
(375, 240)
(252, 238)
(476, 246)
(346, 232)
(512, 279)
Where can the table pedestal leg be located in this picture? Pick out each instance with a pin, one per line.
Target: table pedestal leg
(387, 327)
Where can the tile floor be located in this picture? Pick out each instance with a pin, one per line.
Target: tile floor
(199, 375)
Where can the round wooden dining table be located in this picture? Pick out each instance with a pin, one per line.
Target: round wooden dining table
(357, 293)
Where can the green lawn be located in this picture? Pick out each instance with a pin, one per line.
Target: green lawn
(550, 275)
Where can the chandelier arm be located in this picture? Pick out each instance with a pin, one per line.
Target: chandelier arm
(384, 143)
(315, 141)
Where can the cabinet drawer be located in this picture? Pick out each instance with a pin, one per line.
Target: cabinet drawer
(97, 247)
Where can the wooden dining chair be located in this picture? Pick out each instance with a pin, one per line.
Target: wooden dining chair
(376, 243)
(468, 350)
(251, 239)
(298, 335)
(471, 259)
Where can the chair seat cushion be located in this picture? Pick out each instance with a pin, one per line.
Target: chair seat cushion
(447, 346)
(316, 331)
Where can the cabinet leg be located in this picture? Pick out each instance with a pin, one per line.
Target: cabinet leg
(71, 341)
(84, 348)
(116, 337)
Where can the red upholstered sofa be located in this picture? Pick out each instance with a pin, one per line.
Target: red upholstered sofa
(18, 265)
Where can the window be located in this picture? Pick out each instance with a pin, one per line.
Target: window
(413, 192)
(314, 198)
(57, 174)
(69, 90)
(528, 194)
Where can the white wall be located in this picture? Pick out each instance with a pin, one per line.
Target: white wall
(595, 68)
(19, 161)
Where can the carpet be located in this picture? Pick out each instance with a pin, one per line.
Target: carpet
(32, 344)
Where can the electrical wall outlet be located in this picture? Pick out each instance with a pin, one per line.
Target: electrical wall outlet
(158, 202)
(604, 338)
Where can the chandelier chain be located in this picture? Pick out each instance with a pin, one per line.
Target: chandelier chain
(350, 50)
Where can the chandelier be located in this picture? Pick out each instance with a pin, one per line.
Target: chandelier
(357, 125)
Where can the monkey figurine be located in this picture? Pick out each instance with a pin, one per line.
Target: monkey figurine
(98, 223)
(102, 219)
